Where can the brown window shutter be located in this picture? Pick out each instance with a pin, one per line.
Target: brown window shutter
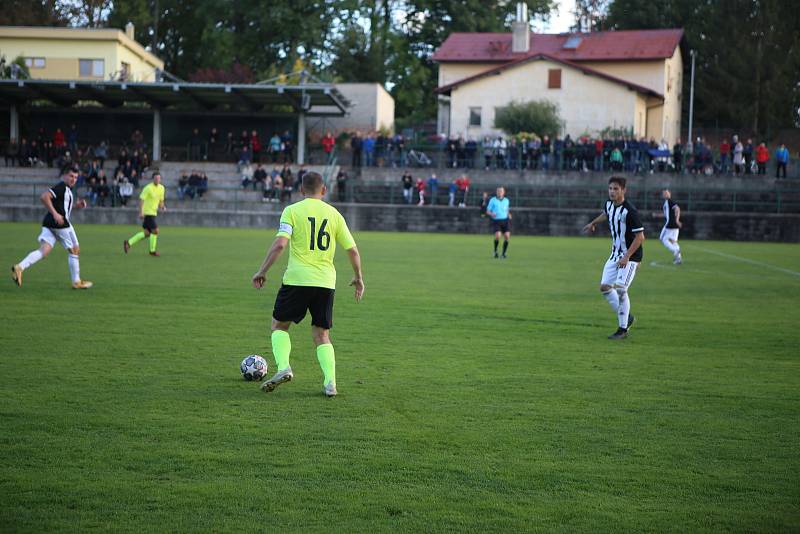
(554, 79)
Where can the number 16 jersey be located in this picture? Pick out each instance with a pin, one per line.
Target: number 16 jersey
(313, 228)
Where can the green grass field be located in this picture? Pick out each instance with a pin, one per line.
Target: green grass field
(474, 394)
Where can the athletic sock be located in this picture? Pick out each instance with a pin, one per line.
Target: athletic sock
(281, 348)
(153, 242)
(505, 247)
(136, 238)
(496, 242)
(30, 259)
(327, 362)
(624, 308)
(612, 298)
(74, 268)
(672, 247)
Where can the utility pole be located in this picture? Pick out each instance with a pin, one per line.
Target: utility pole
(691, 98)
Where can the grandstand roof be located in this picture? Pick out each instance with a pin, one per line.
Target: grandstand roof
(637, 45)
(311, 98)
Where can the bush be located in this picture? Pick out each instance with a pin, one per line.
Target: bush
(538, 116)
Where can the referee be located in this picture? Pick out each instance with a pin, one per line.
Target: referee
(498, 210)
(152, 199)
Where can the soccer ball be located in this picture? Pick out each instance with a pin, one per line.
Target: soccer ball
(253, 367)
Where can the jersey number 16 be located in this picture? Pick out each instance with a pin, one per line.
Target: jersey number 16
(322, 238)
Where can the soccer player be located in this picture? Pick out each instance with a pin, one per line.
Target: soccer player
(498, 210)
(56, 226)
(669, 234)
(311, 228)
(151, 200)
(627, 236)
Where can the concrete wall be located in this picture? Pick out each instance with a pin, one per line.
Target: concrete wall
(527, 221)
(586, 103)
(63, 47)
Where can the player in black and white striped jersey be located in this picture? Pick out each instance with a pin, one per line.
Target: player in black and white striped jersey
(56, 227)
(673, 224)
(627, 236)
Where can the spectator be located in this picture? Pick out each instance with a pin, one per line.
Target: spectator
(781, 159)
(244, 141)
(738, 156)
(724, 156)
(259, 177)
(230, 146)
(558, 151)
(677, 156)
(212, 150)
(12, 151)
(748, 157)
(470, 150)
(451, 193)
(203, 187)
(400, 148)
(500, 147)
(488, 151)
(267, 191)
(137, 140)
(380, 149)
(598, 155)
(103, 191)
(545, 151)
(183, 185)
(341, 185)
(299, 180)
(195, 183)
(356, 145)
(369, 150)
(287, 145)
(72, 138)
(101, 153)
(463, 183)
(277, 187)
(408, 187)
(247, 176)
(616, 159)
(126, 190)
(328, 142)
(275, 147)
(288, 183)
(92, 191)
(484, 204)
(195, 145)
(59, 140)
(255, 147)
(762, 157)
(433, 185)
(420, 192)
(244, 158)
(34, 154)
(452, 151)
(50, 153)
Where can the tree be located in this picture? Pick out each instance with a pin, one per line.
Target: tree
(540, 117)
(589, 15)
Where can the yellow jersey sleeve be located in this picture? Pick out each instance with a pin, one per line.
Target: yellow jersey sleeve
(343, 235)
(286, 225)
(145, 192)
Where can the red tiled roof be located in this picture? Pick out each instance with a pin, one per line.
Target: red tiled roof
(597, 46)
(547, 57)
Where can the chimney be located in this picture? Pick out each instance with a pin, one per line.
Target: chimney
(129, 31)
(520, 30)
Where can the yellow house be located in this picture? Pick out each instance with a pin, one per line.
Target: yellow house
(79, 53)
(623, 79)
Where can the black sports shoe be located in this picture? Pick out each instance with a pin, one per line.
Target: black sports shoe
(621, 333)
(496, 256)
(504, 256)
(631, 319)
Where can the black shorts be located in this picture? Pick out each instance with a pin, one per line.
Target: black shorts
(149, 223)
(292, 303)
(501, 226)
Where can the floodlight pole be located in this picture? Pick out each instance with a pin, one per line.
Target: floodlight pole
(691, 98)
(156, 134)
(301, 138)
(13, 123)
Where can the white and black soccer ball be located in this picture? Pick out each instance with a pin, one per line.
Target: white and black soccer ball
(254, 368)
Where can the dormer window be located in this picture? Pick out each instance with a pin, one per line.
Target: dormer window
(573, 42)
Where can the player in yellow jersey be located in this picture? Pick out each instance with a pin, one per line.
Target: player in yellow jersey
(311, 228)
(151, 200)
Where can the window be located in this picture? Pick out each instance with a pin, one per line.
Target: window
(554, 79)
(474, 116)
(34, 62)
(92, 68)
(573, 42)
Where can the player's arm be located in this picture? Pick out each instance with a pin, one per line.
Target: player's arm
(47, 200)
(275, 251)
(358, 279)
(637, 242)
(678, 216)
(597, 220)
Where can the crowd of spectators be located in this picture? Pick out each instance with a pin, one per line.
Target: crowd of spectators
(277, 185)
(426, 192)
(246, 148)
(584, 154)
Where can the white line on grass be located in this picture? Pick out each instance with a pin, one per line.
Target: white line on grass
(747, 260)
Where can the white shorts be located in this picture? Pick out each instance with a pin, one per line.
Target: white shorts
(65, 236)
(616, 276)
(669, 234)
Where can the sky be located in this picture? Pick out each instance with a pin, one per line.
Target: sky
(559, 21)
